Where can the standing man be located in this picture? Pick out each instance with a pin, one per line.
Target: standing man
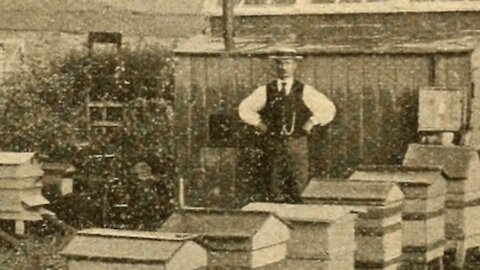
(283, 113)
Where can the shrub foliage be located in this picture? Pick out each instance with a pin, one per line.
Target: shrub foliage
(43, 109)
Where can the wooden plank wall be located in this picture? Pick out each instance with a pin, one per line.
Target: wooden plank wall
(375, 94)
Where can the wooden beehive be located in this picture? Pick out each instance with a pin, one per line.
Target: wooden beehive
(20, 188)
(234, 239)
(109, 249)
(377, 231)
(322, 233)
(424, 209)
(461, 167)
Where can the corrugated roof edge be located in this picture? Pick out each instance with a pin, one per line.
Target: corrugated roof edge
(204, 45)
(308, 8)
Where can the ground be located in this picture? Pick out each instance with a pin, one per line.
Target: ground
(37, 252)
(40, 251)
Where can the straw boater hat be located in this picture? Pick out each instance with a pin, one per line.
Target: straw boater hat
(285, 53)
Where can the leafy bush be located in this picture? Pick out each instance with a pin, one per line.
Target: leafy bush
(43, 109)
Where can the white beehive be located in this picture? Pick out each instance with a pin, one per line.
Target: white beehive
(378, 232)
(461, 166)
(109, 249)
(20, 188)
(322, 233)
(424, 209)
(234, 239)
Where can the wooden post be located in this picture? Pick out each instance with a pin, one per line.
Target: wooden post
(181, 193)
(228, 24)
(19, 227)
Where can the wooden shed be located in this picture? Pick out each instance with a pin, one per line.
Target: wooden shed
(374, 86)
(461, 166)
(378, 231)
(321, 233)
(424, 209)
(20, 188)
(109, 249)
(234, 239)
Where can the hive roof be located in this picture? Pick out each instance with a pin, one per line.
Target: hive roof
(14, 158)
(125, 245)
(426, 175)
(218, 223)
(302, 212)
(455, 160)
(368, 192)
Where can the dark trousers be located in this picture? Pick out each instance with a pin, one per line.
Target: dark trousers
(282, 170)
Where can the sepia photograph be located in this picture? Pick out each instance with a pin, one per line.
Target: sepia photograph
(240, 134)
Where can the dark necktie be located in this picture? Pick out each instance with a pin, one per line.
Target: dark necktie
(283, 90)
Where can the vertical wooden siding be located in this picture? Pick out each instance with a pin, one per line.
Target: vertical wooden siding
(375, 94)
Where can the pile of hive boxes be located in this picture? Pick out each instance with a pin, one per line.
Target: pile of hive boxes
(462, 207)
(378, 227)
(423, 218)
(381, 217)
(21, 198)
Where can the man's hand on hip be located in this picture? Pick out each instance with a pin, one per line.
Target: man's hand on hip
(307, 127)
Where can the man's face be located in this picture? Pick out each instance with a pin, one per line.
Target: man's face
(285, 68)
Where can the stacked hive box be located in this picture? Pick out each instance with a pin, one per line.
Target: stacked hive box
(20, 189)
(378, 232)
(57, 180)
(322, 235)
(117, 249)
(423, 213)
(234, 239)
(461, 166)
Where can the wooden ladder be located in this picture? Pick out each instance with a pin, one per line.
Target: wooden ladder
(99, 111)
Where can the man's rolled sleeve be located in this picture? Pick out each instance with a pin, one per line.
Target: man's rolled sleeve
(250, 106)
(322, 108)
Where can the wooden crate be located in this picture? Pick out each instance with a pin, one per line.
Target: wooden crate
(234, 239)
(110, 249)
(424, 209)
(462, 171)
(440, 109)
(378, 230)
(319, 232)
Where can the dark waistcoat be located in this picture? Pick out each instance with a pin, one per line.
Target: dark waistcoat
(288, 113)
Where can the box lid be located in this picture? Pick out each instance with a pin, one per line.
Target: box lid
(121, 245)
(302, 212)
(353, 192)
(14, 158)
(455, 160)
(414, 175)
(216, 222)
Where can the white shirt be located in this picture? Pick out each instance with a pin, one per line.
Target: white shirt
(322, 108)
